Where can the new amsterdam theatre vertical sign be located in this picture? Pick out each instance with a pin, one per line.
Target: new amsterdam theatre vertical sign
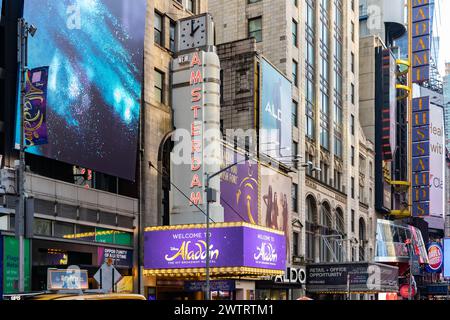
(196, 114)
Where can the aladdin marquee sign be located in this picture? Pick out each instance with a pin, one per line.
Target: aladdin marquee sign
(232, 245)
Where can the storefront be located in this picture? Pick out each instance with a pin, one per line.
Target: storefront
(341, 280)
(397, 245)
(43, 253)
(175, 260)
(52, 254)
(289, 286)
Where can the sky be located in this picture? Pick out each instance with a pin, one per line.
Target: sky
(442, 25)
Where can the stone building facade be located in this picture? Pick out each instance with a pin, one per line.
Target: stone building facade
(315, 44)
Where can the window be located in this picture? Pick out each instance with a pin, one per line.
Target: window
(353, 5)
(353, 188)
(42, 227)
(172, 35)
(353, 62)
(294, 72)
(370, 169)
(294, 33)
(294, 197)
(352, 157)
(158, 29)
(159, 86)
(190, 6)
(253, 1)
(352, 124)
(295, 237)
(294, 2)
(255, 28)
(337, 179)
(324, 137)
(323, 172)
(353, 31)
(63, 229)
(353, 220)
(294, 113)
(325, 229)
(353, 93)
(362, 199)
(294, 154)
(370, 196)
(309, 232)
(338, 146)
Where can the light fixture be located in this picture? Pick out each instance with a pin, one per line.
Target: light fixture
(32, 30)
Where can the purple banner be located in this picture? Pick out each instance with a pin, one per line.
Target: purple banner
(35, 103)
(241, 246)
(239, 189)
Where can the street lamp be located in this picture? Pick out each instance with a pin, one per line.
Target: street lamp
(23, 30)
(211, 196)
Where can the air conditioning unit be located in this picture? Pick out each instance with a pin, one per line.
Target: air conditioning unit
(7, 181)
(5, 222)
(298, 259)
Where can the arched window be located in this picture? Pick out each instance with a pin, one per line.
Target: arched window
(325, 223)
(340, 225)
(338, 244)
(362, 239)
(310, 216)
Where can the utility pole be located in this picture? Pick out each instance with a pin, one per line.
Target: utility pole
(20, 219)
(23, 29)
(211, 196)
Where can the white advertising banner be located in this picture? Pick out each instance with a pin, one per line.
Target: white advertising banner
(437, 161)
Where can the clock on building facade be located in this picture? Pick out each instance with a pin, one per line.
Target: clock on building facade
(195, 32)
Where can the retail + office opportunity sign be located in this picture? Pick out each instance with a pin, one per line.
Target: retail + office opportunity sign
(181, 247)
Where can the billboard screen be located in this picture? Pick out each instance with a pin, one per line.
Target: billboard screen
(276, 202)
(276, 123)
(239, 188)
(94, 50)
(447, 257)
(437, 167)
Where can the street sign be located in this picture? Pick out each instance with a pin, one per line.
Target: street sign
(107, 276)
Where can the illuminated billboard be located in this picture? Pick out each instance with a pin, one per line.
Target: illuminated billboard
(276, 123)
(437, 168)
(276, 202)
(239, 188)
(447, 257)
(389, 109)
(94, 50)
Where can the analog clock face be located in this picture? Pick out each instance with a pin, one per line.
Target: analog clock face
(192, 33)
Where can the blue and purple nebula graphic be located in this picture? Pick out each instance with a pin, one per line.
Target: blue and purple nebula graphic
(94, 50)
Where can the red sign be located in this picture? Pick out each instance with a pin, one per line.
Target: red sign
(404, 291)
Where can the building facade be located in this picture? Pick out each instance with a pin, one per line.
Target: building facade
(157, 115)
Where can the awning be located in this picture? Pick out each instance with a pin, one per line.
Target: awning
(354, 277)
(217, 273)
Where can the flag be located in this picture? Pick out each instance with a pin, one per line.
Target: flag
(35, 104)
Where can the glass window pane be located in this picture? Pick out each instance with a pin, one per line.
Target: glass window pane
(64, 229)
(42, 227)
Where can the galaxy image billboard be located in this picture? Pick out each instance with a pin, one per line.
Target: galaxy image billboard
(94, 51)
